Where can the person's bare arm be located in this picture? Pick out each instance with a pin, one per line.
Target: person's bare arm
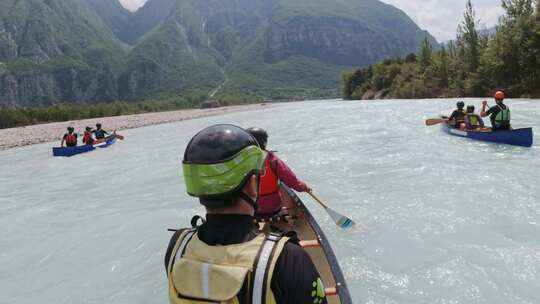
(483, 112)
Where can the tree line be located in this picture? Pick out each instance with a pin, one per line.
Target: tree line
(22, 116)
(474, 64)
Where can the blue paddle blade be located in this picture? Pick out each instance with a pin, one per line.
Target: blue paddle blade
(340, 220)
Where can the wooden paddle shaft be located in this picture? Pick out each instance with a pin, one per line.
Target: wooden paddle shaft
(318, 200)
(434, 121)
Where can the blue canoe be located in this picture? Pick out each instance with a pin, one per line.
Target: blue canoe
(517, 137)
(70, 151)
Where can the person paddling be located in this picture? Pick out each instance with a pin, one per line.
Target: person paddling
(458, 116)
(472, 120)
(226, 259)
(70, 138)
(276, 171)
(99, 133)
(498, 114)
(87, 138)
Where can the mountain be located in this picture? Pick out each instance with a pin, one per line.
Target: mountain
(53, 50)
(128, 26)
(94, 50)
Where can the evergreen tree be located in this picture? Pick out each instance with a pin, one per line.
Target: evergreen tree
(443, 68)
(426, 52)
(473, 64)
(351, 82)
(411, 58)
(469, 38)
(516, 9)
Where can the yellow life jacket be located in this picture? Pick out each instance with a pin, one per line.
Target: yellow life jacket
(473, 120)
(503, 117)
(199, 273)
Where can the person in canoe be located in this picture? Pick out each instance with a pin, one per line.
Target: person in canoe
(226, 258)
(99, 133)
(87, 137)
(276, 171)
(70, 138)
(498, 114)
(458, 116)
(473, 121)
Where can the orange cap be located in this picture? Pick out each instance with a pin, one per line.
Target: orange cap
(499, 95)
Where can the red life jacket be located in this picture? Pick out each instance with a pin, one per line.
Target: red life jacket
(87, 139)
(71, 139)
(269, 180)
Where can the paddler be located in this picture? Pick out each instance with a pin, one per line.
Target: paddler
(70, 138)
(99, 133)
(276, 171)
(226, 259)
(87, 138)
(498, 114)
(472, 120)
(458, 116)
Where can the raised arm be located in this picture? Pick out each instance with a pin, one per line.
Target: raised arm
(483, 112)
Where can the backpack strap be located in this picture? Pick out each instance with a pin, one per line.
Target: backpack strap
(177, 247)
(262, 262)
(170, 247)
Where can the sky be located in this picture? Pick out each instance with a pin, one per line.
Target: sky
(132, 5)
(439, 17)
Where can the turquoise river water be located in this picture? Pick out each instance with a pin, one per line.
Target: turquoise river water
(449, 220)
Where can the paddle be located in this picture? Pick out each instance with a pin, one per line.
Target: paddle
(435, 121)
(340, 220)
(117, 136)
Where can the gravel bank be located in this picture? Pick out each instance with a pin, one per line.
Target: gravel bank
(35, 134)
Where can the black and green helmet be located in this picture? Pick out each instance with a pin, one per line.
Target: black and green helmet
(219, 160)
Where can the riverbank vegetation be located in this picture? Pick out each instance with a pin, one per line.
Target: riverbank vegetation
(22, 116)
(474, 64)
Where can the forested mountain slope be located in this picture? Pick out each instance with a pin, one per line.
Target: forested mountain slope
(95, 50)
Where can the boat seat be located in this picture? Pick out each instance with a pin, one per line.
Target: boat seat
(283, 215)
(331, 291)
(310, 243)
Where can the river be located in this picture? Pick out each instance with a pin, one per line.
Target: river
(449, 220)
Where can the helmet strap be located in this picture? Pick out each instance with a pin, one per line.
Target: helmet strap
(253, 202)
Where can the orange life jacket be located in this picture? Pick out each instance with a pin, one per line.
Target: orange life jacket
(87, 139)
(269, 180)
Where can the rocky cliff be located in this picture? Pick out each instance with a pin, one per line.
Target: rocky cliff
(94, 50)
(54, 51)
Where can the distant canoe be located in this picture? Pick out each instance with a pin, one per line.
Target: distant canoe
(517, 137)
(70, 151)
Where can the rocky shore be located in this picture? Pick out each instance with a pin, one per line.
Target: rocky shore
(35, 134)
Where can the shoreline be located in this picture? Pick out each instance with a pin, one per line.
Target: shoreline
(49, 132)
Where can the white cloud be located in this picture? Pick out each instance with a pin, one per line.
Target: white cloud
(132, 5)
(441, 17)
